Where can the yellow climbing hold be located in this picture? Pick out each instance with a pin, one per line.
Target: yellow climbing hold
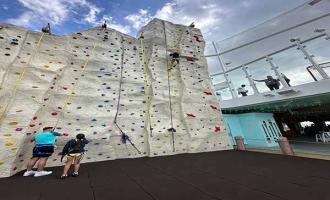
(14, 149)
(19, 110)
(1, 162)
(9, 143)
(8, 134)
(46, 66)
(13, 123)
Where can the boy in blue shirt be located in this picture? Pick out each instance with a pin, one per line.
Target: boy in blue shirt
(44, 147)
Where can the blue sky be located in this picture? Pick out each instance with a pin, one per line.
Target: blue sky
(218, 19)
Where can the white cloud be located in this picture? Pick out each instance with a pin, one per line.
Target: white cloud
(139, 19)
(56, 12)
(5, 7)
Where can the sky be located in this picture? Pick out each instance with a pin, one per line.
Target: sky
(218, 19)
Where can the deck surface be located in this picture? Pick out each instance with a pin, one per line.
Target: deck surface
(228, 175)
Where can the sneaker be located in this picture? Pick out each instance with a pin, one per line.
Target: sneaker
(75, 174)
(42, 173)
(29, 173)
(64, 176)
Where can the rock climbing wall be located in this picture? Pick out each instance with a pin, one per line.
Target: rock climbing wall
(103, 83)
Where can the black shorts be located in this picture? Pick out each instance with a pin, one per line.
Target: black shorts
(43, 150)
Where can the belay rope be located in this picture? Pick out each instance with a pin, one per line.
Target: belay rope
(172, 130)
(124, 136)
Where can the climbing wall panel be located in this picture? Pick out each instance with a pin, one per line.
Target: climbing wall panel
(103, 83)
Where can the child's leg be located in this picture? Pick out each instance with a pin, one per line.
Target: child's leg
(77, 164)
(67, 165)
(31, 163)
(42, 162)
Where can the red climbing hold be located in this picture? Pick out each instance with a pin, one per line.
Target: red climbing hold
(32, 125)
(214, 107)
(190, 59)
(217, 129)
(54, 113)
(190, 115)
(65, 134)
(34, 118)
(208, 93)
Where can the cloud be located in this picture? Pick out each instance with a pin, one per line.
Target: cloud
(5, 7)
(56, 12)
(139, 19)
(207, 15)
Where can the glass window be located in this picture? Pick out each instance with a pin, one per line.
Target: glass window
(238, 78)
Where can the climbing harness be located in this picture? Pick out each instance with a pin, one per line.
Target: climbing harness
(124, 137)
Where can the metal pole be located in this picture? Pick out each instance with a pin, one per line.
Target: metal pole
(223, 67)
(252, 84)
(311, 60)
(278, 74)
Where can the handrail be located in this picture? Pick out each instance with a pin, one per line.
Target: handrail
(269, 55)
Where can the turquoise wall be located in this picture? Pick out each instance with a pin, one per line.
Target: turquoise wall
(257, 129)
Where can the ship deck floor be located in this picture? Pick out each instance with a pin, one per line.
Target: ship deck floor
(228, 175)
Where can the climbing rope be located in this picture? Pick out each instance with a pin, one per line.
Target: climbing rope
(124, 136)
(169, 67)
(147, 89)
(22, 75)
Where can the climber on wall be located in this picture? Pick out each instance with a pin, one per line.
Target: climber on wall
(46, 29)
(44, 147)
(175, 58)
(74, 150)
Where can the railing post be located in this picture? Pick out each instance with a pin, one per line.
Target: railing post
(310, 58)
(278, 74)
(285, 146)
(223, 67)
(252, 83)
(240, 143)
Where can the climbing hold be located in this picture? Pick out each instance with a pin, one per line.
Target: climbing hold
(8, 134)
(9, 143)
(208, 93)
(190, 115)
(217, 129)
(214, 107)
(54, 113)
(18, 129)
(13, 123)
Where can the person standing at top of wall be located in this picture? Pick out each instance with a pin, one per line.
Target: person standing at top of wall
(271, 83)
(242, 90)
(46, 29)
(44, 147)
